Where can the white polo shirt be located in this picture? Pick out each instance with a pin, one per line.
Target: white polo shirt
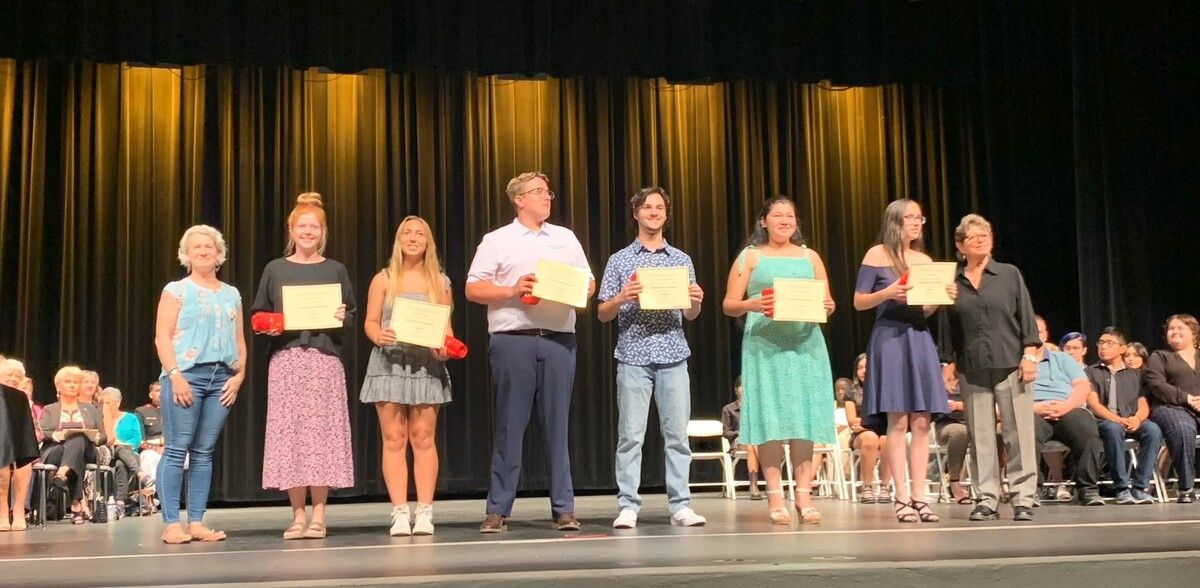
(506, 254)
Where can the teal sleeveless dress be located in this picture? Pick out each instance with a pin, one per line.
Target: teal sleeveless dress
(786, 380)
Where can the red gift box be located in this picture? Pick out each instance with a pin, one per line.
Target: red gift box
(266, 322)
(769, 311)
(530, 299)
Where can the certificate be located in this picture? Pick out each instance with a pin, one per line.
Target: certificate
(92, 435)
(420, 323)
(664, 288)
(929, 282)
(311, 307)
(562, 283)
(800, 300)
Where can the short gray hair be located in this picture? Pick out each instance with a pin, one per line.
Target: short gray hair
(515, 184)
(205, 230)
(111, 392)
(971, 221)
(10, 366)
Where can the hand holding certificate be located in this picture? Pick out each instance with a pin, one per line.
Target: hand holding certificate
(800, 300)
(420, 323)
(562, 283)
(928, 283)
(311, 307)
(664, 288)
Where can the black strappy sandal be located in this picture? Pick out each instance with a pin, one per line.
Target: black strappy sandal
(904, 517)
(925, 513)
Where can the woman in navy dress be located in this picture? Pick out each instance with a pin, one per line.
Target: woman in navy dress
(904, 376)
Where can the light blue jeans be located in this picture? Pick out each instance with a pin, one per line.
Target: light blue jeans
(670, 387)
(191, 431)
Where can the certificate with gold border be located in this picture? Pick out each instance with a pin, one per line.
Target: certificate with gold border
(420, 323)
(562, 282)
(664, 288)
(311, 307)
(800, 300)
(929, 282)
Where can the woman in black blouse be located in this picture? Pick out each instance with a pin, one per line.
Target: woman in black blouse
(1172, 376)
(995, 335)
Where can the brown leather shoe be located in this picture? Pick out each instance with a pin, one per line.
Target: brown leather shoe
(566, 522)
(494, 523)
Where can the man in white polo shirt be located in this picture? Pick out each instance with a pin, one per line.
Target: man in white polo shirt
(532, 347)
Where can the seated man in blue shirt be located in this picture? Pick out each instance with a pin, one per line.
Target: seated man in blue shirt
(1122, 411)
(1059, 394)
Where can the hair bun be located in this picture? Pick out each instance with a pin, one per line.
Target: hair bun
(310, 198)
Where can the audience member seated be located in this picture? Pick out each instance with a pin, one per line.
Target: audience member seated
(63, 425)
(731, 418)
(869, 438)
(124, 432)
(15, 477)
(842, 426)
(89, 393)
(1075, 345)
(1172, 378)
(1044, 333)
(1121, 408)
(152, 442)
(89, 388)
(1136, 355)
(953, 435)
(1059, 394)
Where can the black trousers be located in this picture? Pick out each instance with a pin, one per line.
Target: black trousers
(1078, 431)
(76, 452)
(125, 469)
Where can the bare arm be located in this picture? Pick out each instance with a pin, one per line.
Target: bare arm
(1098, 408)
(371, 319)
(820, 274)
(164, 329)
(734, 304)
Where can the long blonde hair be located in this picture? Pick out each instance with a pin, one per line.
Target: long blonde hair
(434, 283)
(306, 203)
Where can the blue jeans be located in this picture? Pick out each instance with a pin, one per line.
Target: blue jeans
(1149, 438)
(191, 431)
(670, 386)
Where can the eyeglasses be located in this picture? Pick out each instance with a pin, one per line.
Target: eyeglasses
(978, 237)
(920, 218)
(1108, 343)
(543, 192)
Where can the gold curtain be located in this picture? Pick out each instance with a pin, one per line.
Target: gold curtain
(103, 165)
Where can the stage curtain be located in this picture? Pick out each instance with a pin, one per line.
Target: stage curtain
(104, 165)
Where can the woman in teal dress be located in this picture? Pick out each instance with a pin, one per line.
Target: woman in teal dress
(785, 365)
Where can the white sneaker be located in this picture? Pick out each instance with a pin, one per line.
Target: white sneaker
(627, 519)
(400, 524)
(1063, 493)
(423, 524)
(686, 517)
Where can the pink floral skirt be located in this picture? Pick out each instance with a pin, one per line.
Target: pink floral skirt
(308, 425)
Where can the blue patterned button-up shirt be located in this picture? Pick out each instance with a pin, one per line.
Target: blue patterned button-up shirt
(646, 337)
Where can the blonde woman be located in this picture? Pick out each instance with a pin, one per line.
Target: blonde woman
(201, 344)
(407, 383)
(70, 452)
(307, 447)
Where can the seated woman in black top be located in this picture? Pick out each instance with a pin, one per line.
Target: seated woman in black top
(1172, 377)
(72, 452)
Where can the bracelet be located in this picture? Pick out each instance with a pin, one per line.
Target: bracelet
(173, 371)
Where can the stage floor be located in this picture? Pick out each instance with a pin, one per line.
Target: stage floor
(1101, 546)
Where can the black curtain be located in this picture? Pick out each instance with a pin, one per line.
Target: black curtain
(106, 164)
